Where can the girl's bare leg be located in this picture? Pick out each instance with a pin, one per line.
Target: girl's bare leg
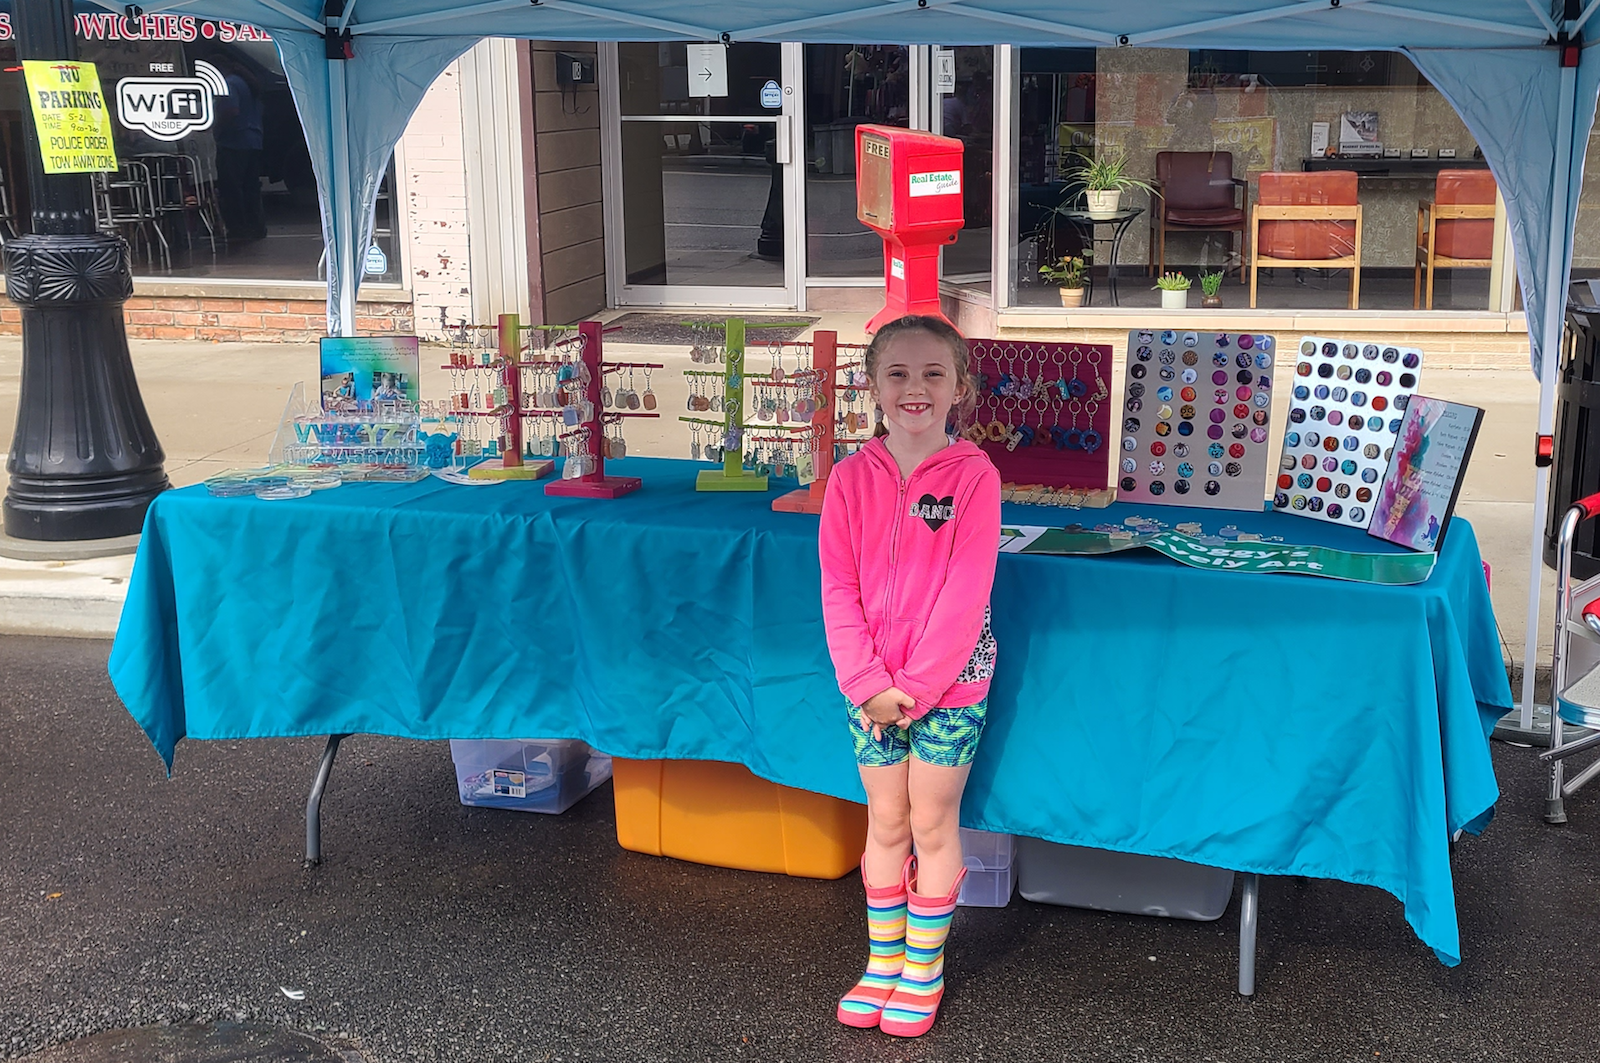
(888, 823)
(935, 793)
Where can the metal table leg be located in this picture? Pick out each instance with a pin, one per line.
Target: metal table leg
(1117, 232)
(1249, 910)
(314, 802)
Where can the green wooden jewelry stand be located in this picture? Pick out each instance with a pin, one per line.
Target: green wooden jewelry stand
(733, 476)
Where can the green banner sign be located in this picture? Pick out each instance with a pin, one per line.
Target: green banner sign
(1391, 569)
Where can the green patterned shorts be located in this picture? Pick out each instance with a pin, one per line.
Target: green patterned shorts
(946, 737)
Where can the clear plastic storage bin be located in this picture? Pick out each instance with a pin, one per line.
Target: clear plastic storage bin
(1081, 877)
(991, 868)
(527, 774)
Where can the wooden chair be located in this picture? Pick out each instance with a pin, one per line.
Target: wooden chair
(1456, 230)
(1195, 191)
(1307, 221)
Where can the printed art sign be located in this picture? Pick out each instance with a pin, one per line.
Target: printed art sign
(1249, 557)
(69, 112)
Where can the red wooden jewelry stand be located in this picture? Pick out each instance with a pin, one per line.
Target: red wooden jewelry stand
(597, 484)
(825, 363)
(510, 463)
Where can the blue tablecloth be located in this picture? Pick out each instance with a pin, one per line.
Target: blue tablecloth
(1269, 723)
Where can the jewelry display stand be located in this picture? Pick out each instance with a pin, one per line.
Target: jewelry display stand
(819, 442)
(583, 412)
(733, 476)
(508, 457)
(1044, 419)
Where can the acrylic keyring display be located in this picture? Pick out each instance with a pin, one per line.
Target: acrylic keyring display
(589, 433)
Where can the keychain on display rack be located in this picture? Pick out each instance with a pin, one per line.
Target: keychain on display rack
(1196, 408)
(1043, 418)
(1344, 415)
(748, 450)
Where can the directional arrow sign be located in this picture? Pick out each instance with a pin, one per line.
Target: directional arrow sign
(708, 70)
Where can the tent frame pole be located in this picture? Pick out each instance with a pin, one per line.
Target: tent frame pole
(1550, 330)
(343, 317)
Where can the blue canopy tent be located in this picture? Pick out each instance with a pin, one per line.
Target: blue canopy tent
(1515, 71)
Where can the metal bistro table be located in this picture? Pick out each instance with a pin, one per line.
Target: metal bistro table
(1085, 223)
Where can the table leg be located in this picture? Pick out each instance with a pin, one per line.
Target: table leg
(314, 803)
(1249, 910)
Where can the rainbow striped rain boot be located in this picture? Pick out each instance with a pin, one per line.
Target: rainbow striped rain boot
(915, 1001)
(886, 932)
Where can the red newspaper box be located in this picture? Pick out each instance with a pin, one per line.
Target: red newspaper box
(908, 190)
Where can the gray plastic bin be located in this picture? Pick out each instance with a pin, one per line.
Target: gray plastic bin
(1080, 877)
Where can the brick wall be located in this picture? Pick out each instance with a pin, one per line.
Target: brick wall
(258, 320)
(434, 183)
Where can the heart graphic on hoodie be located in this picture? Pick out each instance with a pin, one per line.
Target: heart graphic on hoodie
(935, 511)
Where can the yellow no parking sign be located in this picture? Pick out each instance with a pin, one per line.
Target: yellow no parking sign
(69, 112)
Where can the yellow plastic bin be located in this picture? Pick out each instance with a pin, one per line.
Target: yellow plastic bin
(720, 814)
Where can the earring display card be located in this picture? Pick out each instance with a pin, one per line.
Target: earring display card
(1043, 413)
(1344, 413)
(1195, 411)
(1417, 496)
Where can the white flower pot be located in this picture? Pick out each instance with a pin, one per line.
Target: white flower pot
(1102, 203)
(1174, 300)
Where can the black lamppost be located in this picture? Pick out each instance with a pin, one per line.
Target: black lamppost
(85, 462)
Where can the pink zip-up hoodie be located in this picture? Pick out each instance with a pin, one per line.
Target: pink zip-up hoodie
(907, 566)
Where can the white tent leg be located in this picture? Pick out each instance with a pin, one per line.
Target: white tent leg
(1550, 329)
(344, 228)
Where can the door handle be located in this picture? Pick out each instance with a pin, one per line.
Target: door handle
(781, 149)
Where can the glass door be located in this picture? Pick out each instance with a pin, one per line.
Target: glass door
(701, 186)
(846, 86)
(962, 83)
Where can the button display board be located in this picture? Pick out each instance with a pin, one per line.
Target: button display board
(1196, 408)
(1344, 413)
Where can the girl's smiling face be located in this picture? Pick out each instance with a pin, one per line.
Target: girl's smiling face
(916, 385)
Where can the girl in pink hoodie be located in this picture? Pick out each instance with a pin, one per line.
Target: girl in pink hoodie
(910, 532)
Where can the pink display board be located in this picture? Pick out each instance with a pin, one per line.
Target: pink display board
(1043, 411)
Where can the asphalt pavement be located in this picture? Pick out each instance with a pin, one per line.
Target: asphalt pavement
(437, 932)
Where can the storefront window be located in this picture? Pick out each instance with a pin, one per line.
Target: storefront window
(967, 114)
(216, 179)
(1212, 123)
(847, 86)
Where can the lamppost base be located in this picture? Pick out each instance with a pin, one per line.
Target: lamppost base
(66, 550)
(85, 462)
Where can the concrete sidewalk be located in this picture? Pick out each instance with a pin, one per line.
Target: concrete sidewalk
(216, 406)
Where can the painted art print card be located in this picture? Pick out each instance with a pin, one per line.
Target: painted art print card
(1418, 495)
(361, 373)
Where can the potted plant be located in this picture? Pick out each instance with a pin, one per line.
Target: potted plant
(1105, 178)
(1068, 272)
(1211, 289)
(1174, 291)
